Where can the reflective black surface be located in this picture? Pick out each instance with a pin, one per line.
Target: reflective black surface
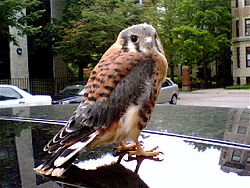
(186, 162)
(189, 120)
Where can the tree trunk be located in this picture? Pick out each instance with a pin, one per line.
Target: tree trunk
(171, 66)
(80, 71)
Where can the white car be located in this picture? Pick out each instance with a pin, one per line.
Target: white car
(12, 96)
(169, 92)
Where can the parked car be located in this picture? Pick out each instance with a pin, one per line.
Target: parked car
(70, 94)
(12, 96)
(73, 93)
(169, 92)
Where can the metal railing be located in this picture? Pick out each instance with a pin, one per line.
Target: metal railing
(48, 86)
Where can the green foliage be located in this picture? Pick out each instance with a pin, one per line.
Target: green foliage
(178, 81)
(196, 82)
(194, 33)
(91, 28)
(203, 31)
(18, 14)
(202, 34)
(246, 86)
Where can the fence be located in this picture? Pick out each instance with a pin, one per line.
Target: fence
(48, 86)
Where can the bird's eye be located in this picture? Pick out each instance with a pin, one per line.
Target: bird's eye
(134, 38)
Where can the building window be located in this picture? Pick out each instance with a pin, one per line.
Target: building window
(237, 28)
(247, 2)
(248, 56)
(224, 153)
(248, 80)
(236, 155)
(248, 157)
(236, 3)
(238, 80)
(247, 27)
(242, 130)
(238, 56)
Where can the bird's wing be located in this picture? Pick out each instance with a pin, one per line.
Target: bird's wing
(118, 80)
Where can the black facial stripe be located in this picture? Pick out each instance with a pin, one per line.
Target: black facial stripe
(104, 95)
(91, 98)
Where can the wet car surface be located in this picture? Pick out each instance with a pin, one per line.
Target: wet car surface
(202, 147)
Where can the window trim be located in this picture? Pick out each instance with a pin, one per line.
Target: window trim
(246, 2)
(238, 56)
(247, 54)
(237, 28)
(247, 27)
(236, 155)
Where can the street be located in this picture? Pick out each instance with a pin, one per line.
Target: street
(216, 98)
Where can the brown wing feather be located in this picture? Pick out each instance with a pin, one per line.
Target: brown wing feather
(112, 68)
(96, 110)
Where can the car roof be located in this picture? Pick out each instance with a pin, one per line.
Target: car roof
(7, 85)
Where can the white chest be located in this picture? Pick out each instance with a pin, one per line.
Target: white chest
(128, 129)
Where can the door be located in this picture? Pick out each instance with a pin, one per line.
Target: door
(10, 98)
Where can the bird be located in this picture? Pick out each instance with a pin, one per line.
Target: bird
(117, 103)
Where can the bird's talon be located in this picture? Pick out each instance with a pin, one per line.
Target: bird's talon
(153, 149)
(125, 148)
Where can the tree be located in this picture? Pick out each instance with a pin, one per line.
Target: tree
(204, 33)
(167, 21)
(86, 37)
(194, 33)
(18, 14)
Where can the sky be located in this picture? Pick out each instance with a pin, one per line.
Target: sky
(182, 167)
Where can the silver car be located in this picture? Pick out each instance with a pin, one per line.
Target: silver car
(169, 92)
(73, 93)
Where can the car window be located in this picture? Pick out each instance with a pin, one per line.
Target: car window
(8, 93)
(72, 90)
(166, 83)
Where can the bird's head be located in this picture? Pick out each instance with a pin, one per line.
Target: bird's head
(140, 38)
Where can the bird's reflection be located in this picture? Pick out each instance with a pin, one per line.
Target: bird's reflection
(138, 159)
(112, 175)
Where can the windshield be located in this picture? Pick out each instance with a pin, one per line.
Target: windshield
(72, 90)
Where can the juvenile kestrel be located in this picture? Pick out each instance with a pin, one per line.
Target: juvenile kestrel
(118, 100)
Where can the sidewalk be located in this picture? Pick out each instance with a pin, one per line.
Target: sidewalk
(222, 90)
(233, 98)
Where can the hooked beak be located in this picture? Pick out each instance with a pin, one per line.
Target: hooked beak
(149, 41)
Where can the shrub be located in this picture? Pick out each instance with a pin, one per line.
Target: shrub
(246, 86)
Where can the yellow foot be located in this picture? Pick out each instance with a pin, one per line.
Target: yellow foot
(124, 147)
(140, 152)
(144, 153)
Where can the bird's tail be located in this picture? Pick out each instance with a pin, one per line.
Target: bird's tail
(58, 163)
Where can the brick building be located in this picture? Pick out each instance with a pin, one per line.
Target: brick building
(238, 130)
(241, 41)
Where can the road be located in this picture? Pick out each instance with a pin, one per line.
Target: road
(216, 98)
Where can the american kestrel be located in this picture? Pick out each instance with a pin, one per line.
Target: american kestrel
(118, 100)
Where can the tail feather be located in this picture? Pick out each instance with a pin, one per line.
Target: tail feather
(74, 150)
(59, 161)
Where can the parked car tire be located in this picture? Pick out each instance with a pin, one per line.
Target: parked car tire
(173, 100)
